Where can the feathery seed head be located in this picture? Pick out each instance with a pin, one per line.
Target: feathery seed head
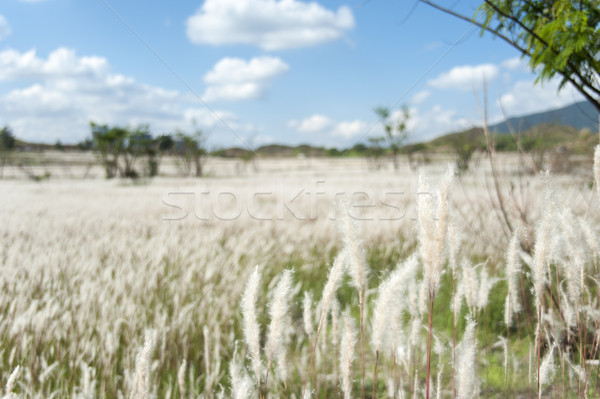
(466, 378)
(354, 252)
(597, 167)
(250, 322)
(347, 354)
(278, 309)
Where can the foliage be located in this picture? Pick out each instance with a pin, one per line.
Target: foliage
(464, 145)
(7, 145)
(110, 142)
(375, 151)
(121, 147)
(7, 139)
(191, 151)
(560, 37)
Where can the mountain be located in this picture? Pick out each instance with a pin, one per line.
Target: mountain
(578, 115)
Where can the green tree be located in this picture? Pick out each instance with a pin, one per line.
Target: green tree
(396, 134)
(139, 143)
(375, 151)
(560, 37)
(110, 143)
(191, 150)
(8, 144)
(164, 145)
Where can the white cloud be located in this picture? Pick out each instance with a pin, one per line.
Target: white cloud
(237, 79)
(68, 91)
(313, 124)
(318, 124)
(420, 96)
(427, 124)
(465, 77)
(515, 64)
(61, 63)
(350, 129)
(526, 97)
(268, 24)
(4, 27)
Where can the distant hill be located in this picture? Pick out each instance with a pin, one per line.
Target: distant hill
(579, 116)
(544, 136)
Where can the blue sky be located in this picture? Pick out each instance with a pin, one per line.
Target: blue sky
(250, 72)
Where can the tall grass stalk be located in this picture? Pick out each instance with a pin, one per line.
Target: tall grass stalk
(333, 281)
(357, 268)
(466, 379)
(432, 241)
(512, 304)
(597, 167)
(540, 260)
(250, 324)
(12, 380)
(453, 249)
(278, 310)
(141, 384)
(347, 354)
(181, 379)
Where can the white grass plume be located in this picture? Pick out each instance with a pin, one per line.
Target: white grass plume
(307, 316)
(354, 252)
(335, 313)
(486, 283)
(466, 378)
(347, 354)
(243, 388)
(541, 249)
(597, 167)
(388, 307)
(12, 380)
(469, 285)
(432, 233)
(181, 379)
(547, 369)
(454, 242)
(207, 373)
(141, 383)
(250, 322)
(333, 281)
(278, 309)
(513, 268)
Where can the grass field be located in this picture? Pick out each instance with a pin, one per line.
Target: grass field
(175, 287)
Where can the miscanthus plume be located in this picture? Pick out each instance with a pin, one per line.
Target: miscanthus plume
(250, 322)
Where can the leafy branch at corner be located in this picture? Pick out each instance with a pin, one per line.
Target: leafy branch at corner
(560, 37)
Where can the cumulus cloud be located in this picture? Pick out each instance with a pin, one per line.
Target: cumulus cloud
(420, 96)
(268, 24)
(514, 64)
(350, 129)
(68, 91)
(236, 79)
(61, 63)
(4, 27)
(465, 77)
(525, 97)
(429, 123)
(313, 124)
(322, 125)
